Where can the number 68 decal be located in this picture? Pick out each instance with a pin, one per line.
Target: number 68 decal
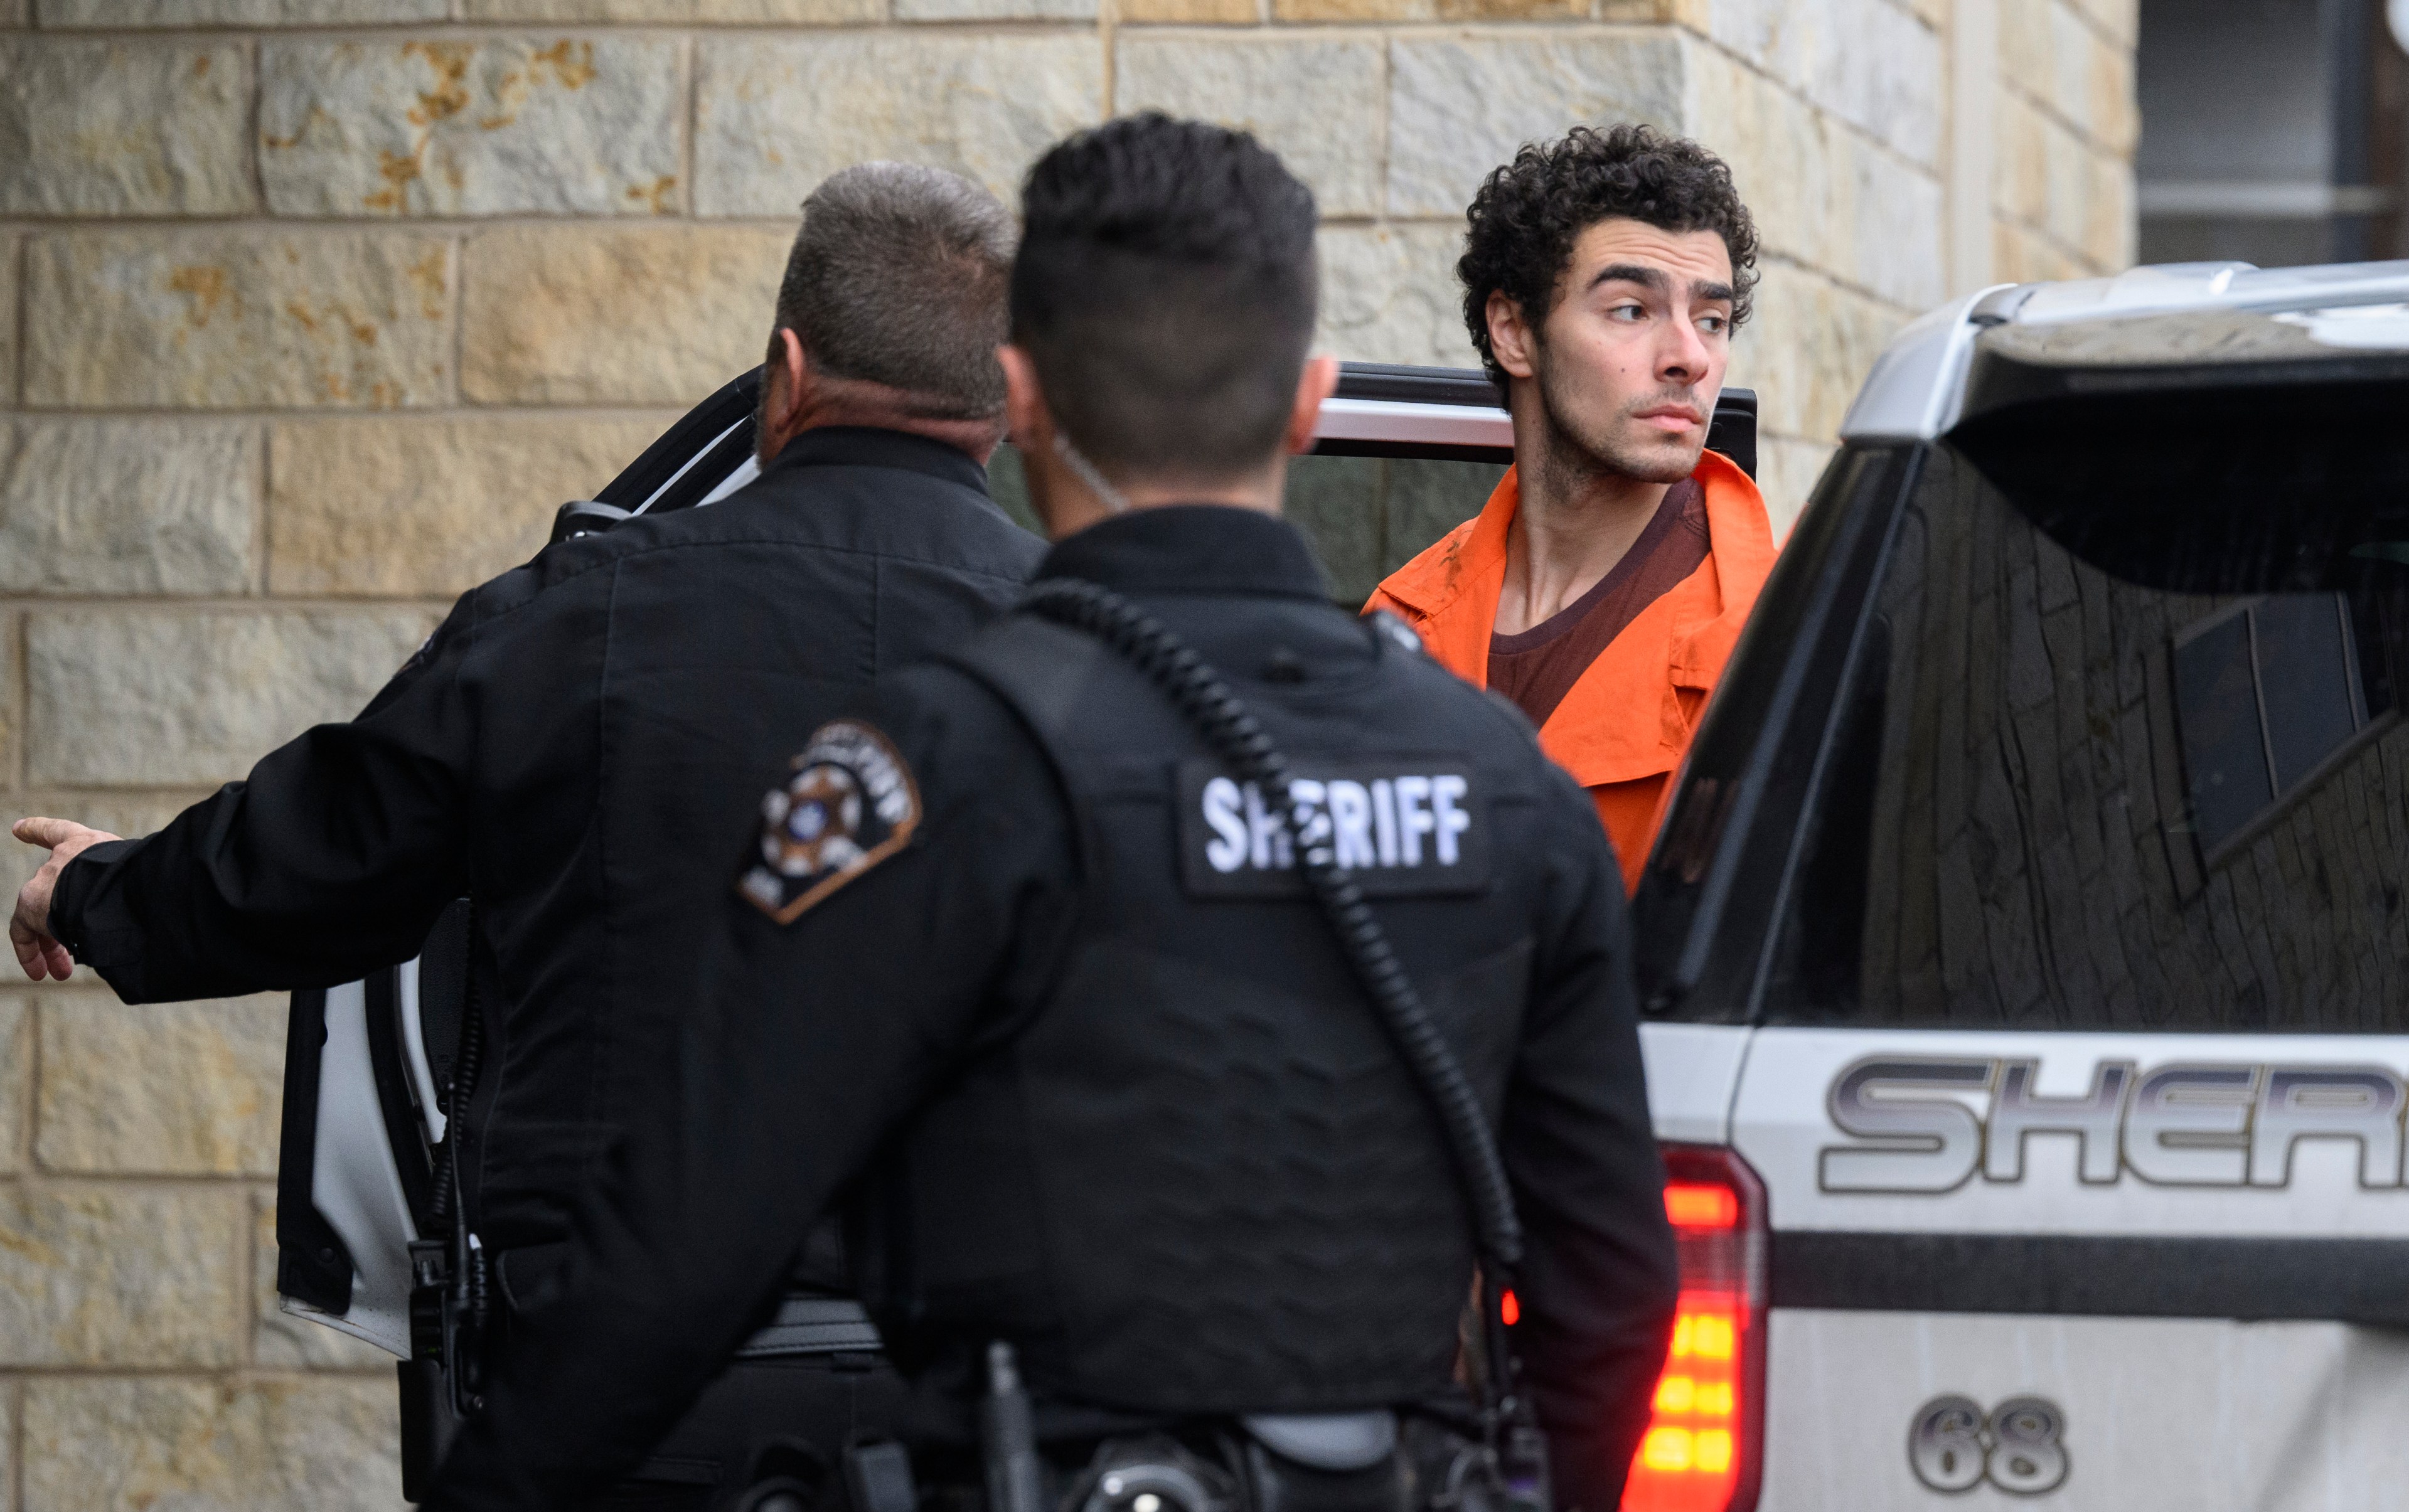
(1953, 1445)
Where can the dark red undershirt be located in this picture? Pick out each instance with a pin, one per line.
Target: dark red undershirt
(1538, 667)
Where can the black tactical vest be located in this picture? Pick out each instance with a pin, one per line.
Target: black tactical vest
(1199, 1179)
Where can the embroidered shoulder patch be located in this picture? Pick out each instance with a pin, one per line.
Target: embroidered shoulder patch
(850, 804)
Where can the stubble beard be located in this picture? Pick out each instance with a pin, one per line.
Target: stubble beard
(1584, 448)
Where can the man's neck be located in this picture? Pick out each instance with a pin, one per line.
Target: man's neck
(976, 438)
(1069, 501)
(1573, 524)
(883, 409)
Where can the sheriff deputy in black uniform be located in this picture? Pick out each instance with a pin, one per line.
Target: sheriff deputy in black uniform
(563, 747)
(1024, 955)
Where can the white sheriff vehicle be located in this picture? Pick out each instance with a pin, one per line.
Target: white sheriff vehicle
(2026, 952)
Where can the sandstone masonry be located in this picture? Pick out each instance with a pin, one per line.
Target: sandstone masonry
(311, 312)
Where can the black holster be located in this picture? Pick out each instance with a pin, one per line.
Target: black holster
(449, 1313)
(428, 1424)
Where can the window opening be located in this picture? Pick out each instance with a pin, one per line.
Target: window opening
(1365, 516)
(2266, 694)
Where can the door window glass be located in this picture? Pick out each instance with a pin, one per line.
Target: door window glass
(1365, 516)
(1368, 517)
(2058, 798)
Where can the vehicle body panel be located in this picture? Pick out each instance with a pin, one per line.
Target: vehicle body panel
(2176, 1413)
(1694, 1072)
(2159, 1411)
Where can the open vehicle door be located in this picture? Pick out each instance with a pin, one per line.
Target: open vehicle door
(373, 1069)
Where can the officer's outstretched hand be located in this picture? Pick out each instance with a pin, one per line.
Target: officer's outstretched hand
(29, 927)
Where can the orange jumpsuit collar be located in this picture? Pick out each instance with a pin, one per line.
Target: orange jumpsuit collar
(1602, 731)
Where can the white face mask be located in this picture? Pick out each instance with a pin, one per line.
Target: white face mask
(1114, 501)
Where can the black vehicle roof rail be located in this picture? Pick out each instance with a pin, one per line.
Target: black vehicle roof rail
(1394, 381)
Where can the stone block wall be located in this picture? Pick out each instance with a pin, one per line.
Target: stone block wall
(312, 310)
(2066, 128)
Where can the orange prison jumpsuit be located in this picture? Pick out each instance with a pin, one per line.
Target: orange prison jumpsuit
(1624, 728)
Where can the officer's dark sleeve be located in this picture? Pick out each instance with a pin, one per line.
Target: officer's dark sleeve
(1599, 1276)
(810, 1040)
(333, 857)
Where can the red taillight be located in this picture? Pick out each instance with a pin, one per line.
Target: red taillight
(1701, 1205)
(1706, 1429)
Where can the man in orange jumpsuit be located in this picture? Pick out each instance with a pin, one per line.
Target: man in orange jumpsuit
(1602, 586)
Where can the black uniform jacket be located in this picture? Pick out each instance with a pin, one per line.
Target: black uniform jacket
(577, 747)
(827, 1031)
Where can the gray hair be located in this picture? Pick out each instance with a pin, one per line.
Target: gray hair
(899, 277)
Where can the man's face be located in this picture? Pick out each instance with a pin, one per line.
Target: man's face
(1630, 360)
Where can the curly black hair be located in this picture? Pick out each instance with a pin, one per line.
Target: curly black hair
(1521, 225)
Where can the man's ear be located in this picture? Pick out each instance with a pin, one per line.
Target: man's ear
(1314, 384)
(1031, 423)
(1032, 430)
(1511, 340)
(784, 380)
